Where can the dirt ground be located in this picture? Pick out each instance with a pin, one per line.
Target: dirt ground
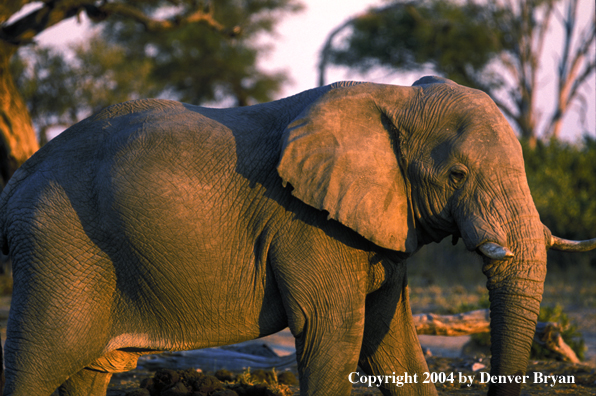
(583, 376)
(579, 303)
(444, 356)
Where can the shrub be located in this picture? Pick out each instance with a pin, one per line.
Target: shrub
(569, 332)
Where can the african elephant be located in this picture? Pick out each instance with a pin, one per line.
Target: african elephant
(158, 226)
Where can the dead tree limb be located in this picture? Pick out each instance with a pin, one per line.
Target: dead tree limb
(547, 334)
(51, 12)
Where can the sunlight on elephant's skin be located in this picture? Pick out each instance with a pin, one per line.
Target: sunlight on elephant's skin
(159, 226)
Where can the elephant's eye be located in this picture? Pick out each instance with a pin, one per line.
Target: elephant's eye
(457, 175)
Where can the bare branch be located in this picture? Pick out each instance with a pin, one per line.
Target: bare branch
(568, 22)
(543, 30)
(583, 108)
(548, 335)
(26, 28)
(199, 15)
(569, 73)
(581, 79)
(23, 30)
(507, 61)
(505, 108)
(325, 52)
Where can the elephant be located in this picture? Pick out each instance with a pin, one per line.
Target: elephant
(156, 225)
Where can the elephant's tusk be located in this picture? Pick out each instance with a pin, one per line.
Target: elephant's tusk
(567, 245)
(495, 251)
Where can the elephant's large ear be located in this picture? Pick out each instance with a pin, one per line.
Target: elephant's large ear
(340, 155)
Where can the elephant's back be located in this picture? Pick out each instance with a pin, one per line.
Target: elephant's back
(79, 149)
(127, 168)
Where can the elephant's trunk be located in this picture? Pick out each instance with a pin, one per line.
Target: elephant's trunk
(515, 288)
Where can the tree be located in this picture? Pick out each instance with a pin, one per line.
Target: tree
(60, 92)
(123, 62)
(493, 45)
(195, 66)
(562, 178)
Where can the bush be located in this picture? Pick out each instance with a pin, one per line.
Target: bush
(562, 179)
(569, 332)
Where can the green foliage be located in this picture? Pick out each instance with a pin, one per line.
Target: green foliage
(562, 179)
(61, 92)
(457, 40)
(492, 45)
(192, 63)
(195, 64)
(45, 81)
(569, 332)
(445, 265)
(482, 303)
(481, 339)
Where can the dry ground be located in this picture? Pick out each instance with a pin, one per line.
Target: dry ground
(579, 302)
(583, 375)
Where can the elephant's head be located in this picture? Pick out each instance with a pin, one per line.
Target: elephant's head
(404, 166)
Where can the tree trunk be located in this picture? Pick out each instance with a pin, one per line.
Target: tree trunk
(17, 137)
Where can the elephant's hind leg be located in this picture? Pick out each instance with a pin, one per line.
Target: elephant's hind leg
(51, 336)
(86, 382)
(93, 380)
(38, 367)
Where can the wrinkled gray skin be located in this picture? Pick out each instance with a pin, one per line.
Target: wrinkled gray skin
(160, 226)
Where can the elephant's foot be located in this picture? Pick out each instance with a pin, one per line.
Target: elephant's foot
(86, 383)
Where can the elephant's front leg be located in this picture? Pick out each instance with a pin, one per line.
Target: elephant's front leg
(325, 311)
(390, 344)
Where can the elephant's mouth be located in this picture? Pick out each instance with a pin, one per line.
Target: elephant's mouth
(492, 250)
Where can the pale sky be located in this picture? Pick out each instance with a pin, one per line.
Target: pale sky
(301, 36)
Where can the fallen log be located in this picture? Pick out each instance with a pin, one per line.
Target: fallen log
(547, 334)
(453, 325)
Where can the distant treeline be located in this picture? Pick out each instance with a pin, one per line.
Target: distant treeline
(562, 178)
